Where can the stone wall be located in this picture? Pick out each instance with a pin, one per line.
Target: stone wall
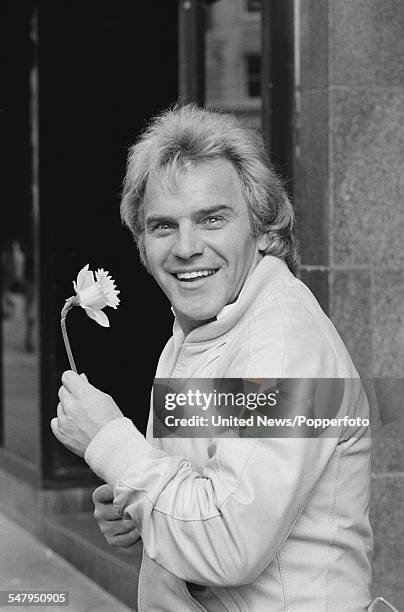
(350, 203)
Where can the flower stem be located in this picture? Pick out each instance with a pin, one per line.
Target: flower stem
(68, 305)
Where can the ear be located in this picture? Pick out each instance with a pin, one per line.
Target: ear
(263, 242)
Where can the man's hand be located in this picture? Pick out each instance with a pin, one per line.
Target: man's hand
(82, 411)
(116, 530)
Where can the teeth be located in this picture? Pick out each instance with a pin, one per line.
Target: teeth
(196, 274)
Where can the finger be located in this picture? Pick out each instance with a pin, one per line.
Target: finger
(116, 527)
(123, 526)
(63, 393)
(60, 411)
(55, 428)
(103, 494)
(57, 433)
(106, 513)
(124, 541)
(73, 381)
(66, 399)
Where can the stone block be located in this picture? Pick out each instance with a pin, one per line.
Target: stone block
(388, 450)
(388, 330)
(388, 438)
(314, 44)
(367, 177)
(350, 293)
(387, 511)
(390, 399)
(311, 180)
(366, 42)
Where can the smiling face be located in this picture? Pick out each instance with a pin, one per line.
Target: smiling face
(198, 241)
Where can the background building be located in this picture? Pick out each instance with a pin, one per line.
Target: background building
(80, 82)
(233, 58)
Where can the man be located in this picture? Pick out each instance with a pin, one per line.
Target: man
(256, 524)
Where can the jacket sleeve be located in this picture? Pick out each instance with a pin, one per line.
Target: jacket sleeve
(223, 526)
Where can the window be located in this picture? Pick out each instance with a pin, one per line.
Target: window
(232, 36)
(253, 6)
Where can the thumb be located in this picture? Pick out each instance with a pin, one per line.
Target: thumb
(103, 494)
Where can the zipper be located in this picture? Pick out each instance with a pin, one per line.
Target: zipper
(176, 356)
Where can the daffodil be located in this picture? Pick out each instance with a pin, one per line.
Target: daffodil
(92, 294)
(95, 293)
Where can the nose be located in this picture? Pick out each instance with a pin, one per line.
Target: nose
(188, 242)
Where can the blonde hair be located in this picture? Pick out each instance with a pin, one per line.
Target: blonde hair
(191, 135)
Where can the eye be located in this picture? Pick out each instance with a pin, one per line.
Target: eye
(212, 220)
(161, 228)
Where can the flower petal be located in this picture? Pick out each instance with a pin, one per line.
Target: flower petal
(97, 315)
(108, 287)
(80, 276)
(92, 297)
(87, 281)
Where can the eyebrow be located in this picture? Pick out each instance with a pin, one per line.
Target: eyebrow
(202, 212)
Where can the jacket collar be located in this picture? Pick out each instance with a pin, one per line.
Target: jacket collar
(260, 282)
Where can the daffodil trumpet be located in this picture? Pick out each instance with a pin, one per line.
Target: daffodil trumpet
(94, 291)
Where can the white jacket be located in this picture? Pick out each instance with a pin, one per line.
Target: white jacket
(265, 525)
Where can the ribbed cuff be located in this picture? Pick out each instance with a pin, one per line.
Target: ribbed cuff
(117, 445)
